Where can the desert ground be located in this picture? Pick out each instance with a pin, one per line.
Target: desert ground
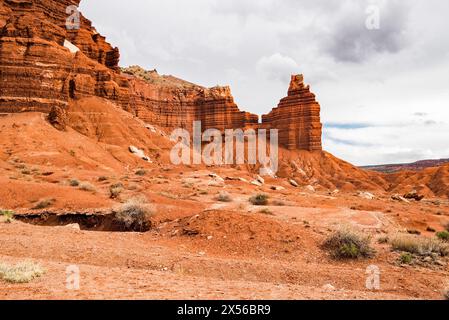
(198, 245)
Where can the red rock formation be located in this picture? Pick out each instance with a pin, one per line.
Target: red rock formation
(297, 118)
(44, 65)
(174, 103)
(37, 70)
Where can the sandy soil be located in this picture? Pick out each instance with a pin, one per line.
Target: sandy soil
(198, 247)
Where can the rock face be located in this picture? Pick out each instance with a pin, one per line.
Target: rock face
(297, 118)
(44, 65)
(38, 69)
(174, 103)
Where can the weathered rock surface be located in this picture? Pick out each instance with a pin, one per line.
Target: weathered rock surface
(44, 65)
(297, 118)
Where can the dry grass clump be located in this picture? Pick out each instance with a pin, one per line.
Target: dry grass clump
(259, 199)
(134, 215)
(22, 272)
(349, 244)
(74, 182)
(141, 172)
(224, 197)
(115, 190)
(44, 203)
(8, 215)
(86, 186)
(419, 245)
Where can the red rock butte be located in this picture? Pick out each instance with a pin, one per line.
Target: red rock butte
(44, 65)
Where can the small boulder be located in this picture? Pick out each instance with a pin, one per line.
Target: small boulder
(309, 188)
(400, 198)
(294, 183)
(413, 195)
(366, 195)
(256, 183)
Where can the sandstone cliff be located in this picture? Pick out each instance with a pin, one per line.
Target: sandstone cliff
(44, 65)
(297, 118)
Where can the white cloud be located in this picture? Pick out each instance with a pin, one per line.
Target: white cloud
(382, 76)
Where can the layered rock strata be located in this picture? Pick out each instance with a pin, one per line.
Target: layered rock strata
(44, 65)
(297, 118)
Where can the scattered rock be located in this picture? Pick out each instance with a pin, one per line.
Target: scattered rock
(58, 118)
(74, 226)
(309, 188)
(413, 195)
(256, 183)
(277, 188)
(329, 287)
(366, 195)
(260, 179)
(398, 197)
(139, 153)
(294, 183)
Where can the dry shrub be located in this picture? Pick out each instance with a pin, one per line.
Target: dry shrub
(134, 215)
(259, 199)
(419, 245)
(224, 197)
(20, 273)
(44, 203)
(86, 186)
(349, 244)
(115, 190)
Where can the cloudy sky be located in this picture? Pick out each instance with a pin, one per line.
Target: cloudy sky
(383, 84)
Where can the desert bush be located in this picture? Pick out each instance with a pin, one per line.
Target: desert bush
(259, 199)
(383, 239)
(443, 235)
(86, 186)
(266, 211)
(115, 191)
(20, 273)
(406, 258)
(224, 197)
(74, 182)
(278, 203)
(8, 215)
(44, 203)
(141, 172)
(134, 215)
(102, 178)
(349, 244)
(419, 245)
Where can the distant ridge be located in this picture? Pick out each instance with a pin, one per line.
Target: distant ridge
(414, 166)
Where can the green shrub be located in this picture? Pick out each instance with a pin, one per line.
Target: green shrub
(349, 244)
(8, 215)
(443, 235)
(22, 272)
(259, 199)
(406, 258)
(134, 215)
